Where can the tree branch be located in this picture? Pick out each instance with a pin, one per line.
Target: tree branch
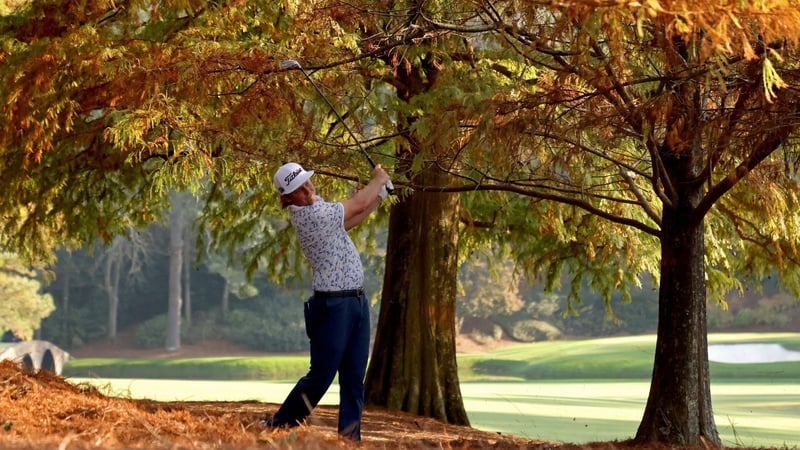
(770, 143)
(586, 206)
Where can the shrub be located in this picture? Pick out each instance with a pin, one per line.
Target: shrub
(272, 333)
(485, 338)
(775, 311)
(771, 318)
(718, 317)
(152, 333)
(744, 318)
(533, 330)
(206, 325)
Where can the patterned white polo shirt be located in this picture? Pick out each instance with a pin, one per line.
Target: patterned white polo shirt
(334, 260)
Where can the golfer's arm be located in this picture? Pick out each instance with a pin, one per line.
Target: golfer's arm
(359, 206)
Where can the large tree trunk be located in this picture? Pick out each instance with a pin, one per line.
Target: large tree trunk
(413, 366)
(678, 408)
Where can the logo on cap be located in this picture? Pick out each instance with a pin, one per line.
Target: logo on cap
(292, 175)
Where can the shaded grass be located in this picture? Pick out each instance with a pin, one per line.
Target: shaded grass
(219, 368)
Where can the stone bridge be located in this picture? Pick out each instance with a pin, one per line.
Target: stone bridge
(35, 355)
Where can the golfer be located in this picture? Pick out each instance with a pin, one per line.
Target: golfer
(337, 315)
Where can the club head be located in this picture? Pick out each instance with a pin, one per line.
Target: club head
(290, 64)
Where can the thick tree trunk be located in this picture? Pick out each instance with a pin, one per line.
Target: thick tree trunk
(678, 408)
(413, 366)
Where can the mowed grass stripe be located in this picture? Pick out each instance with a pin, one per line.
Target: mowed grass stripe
(613, 358)
(608, 358)
(750, 413)
(597, 390)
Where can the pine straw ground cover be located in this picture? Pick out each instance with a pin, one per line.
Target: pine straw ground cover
(43, 411)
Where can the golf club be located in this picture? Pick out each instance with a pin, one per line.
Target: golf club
(292, 64)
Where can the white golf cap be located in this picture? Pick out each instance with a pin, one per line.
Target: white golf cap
(291, 176)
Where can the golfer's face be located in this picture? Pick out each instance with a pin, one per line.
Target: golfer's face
(304, 195)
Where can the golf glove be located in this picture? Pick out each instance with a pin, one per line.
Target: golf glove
(383, 193)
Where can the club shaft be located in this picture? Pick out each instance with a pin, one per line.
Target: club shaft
(338, 116)
(290, 64)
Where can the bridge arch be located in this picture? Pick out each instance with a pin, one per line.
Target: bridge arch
(36, 355)
(48, 361)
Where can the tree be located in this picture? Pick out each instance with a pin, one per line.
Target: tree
(413, 363)
(236, 281)
(112, 272)
(488, 288)
(665, 135)
(605, 141)
(225, 105)
(98, 143)
(125, 254)
(186, 275)
(24, 306)
(177, 227)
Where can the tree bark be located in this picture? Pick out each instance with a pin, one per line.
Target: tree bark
(66, 328)
(226, 293)
(678, 409)
(413, 366)
(187, 277)
(113, 270)
(173, 342)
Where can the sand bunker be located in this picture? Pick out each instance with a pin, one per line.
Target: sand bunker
(751, 353)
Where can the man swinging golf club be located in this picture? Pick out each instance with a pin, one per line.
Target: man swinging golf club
(337, 314)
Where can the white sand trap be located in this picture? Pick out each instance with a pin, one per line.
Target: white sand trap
(750, 353)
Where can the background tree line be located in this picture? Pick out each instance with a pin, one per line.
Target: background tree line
(493, 303)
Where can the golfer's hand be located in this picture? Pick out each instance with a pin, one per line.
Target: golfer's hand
(379, 175)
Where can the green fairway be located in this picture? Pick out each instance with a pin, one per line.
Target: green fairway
(562, 391)
(749, 413)
(610, 358)
(628, 357)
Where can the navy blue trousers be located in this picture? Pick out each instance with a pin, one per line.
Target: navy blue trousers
(338, 330)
